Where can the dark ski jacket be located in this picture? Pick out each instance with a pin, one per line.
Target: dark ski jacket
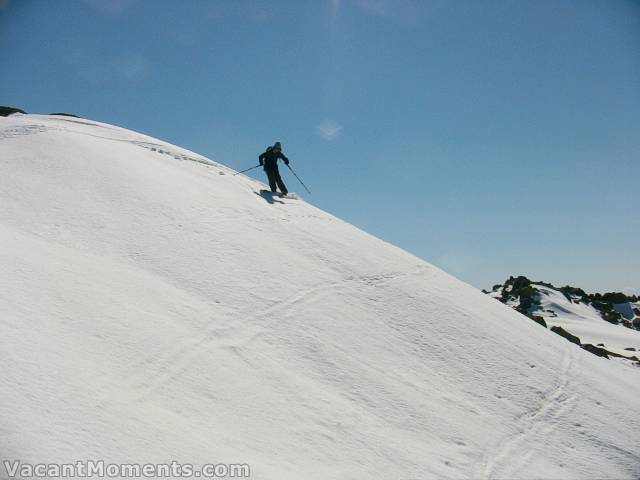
(270, 159)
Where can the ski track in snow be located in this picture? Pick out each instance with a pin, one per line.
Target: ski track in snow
(23, 130)
(236, 334)
(498, 461)
(231, 335)
(163, 149)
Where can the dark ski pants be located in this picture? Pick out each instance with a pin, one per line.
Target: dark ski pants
(275, 180)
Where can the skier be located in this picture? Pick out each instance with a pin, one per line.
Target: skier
(269, 159)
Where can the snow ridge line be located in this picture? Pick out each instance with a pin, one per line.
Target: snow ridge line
(538, 421)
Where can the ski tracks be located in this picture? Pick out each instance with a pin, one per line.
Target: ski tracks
(22, 131)
(511, 454)
(233, 334)
(163, 149)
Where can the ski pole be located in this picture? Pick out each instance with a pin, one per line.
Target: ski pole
(246, 170)
(305, 187)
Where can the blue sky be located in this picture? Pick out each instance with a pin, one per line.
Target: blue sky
(487, 137)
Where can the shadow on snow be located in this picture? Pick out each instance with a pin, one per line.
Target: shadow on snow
(269, 196)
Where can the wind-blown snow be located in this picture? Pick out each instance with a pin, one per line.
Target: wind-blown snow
(153, 307)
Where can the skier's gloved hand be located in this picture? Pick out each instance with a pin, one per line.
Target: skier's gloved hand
(286, 162)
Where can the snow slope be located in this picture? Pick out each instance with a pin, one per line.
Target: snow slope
(585, 322)
(153, 307)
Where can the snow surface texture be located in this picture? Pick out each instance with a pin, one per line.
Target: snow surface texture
(585, 322)
(155, 307)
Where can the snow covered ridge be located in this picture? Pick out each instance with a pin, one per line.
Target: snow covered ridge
(607, 325)
(156, 308)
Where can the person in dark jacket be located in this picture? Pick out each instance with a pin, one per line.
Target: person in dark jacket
(269, 159)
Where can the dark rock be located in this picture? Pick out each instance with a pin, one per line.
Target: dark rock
(520, 282)
(563, 333)
(539, 319)
(6, 111)
(601, 344)
(631, 349)
(601, 352)
(611, 317)
(66, 115)
(615, 297)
